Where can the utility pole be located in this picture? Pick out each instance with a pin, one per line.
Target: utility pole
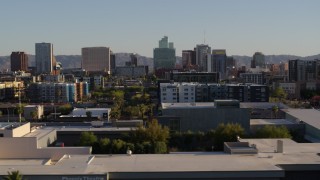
(20, 108)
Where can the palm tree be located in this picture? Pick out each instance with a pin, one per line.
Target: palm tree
(13, 175)
(275, 110)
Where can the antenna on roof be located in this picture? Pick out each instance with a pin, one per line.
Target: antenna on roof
(204, 36)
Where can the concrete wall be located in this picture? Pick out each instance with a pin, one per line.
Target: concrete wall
(47, 139)
(21, 130)
(205, 119)
(26, 147)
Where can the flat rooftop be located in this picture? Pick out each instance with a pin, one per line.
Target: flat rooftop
(187, 105)
(39, 132)
(262, 105)
(270, 122)
(89, 128)
(10, 125)
(266, 163)
(309, 116)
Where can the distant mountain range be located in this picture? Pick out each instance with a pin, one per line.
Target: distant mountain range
(74, 61)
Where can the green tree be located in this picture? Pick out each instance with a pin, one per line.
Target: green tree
(279, 93)
(13, 175)
(115, 113)
(142, 109)
(105, 145)
(270, 131)
(34, 115)
(275, 110)
(226, 133)
(88, 139)
(89, 114)
(65, 109)
(119, 146)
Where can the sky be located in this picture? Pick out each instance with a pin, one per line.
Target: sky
(242, 27)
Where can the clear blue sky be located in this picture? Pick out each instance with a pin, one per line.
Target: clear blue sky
(239, 26)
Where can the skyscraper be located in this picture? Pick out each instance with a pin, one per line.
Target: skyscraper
(44, 58)
(96, 59)
(203, 58)
(219, 60)
(19, 61)
(165, 56)
(188, 59)
(258, 60)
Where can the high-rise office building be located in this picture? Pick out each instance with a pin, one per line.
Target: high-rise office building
(112, 62)
(165, 56)
(45, 61)
(301, 70)
(96, 59)
(203, 58)
(19, 61)
(188, 59)
(219, 61)
(258, 60)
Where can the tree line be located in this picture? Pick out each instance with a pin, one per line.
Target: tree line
(156, 139)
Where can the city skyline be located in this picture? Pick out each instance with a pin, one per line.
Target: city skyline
(240, 27)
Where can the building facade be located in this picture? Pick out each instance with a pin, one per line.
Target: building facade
(198, 92)
(164, 56)
(203, 57)
(256, 78)
(19, 61)
(201, 77)
(182, 117)
(258, 60)
(219, 62)
(96, 59)
(45, 61)
(56, 92)
(304, 70)
(189, 59)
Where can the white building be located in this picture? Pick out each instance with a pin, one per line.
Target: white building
(96, 59)
(44, 58)
(29, 109)
(21, 141)
(101, 113)
(177, 92)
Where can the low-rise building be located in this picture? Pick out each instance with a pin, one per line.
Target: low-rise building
(203, 116)
(33, 112)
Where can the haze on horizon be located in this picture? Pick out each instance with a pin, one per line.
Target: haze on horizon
(240, 27)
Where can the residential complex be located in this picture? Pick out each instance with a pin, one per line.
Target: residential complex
(197, 92)
(57, 92)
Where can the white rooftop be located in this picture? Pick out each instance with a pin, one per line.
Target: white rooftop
(187, 105)
(270, 122)
(266, 161)
(309, 116)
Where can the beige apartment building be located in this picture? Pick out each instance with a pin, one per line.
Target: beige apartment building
(96, 59)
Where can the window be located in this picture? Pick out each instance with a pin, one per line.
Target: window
(186, 94)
